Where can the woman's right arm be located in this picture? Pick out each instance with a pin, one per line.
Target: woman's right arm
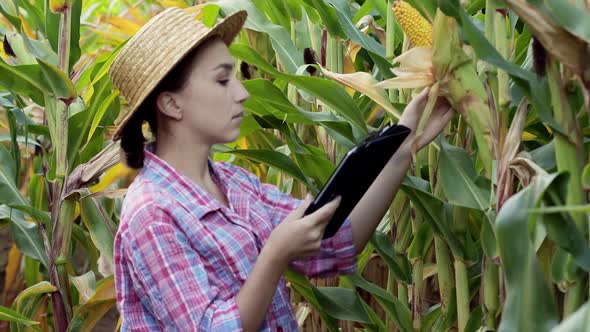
(294, 238)
(170, 273)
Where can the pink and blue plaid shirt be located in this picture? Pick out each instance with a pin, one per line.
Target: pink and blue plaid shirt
(181, 257)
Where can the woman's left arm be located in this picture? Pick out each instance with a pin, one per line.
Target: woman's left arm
(367, 214)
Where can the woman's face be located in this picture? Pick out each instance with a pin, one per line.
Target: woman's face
(210, 104)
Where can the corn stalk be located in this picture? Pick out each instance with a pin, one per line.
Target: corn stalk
(568, 152)
(62, 210)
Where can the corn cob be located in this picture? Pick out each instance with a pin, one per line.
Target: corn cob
(416, 27)
(463, 88)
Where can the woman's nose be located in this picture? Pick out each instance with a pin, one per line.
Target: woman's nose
(241, 94)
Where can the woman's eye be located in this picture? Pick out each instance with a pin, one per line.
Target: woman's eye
(223, 82)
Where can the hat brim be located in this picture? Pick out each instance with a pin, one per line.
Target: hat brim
(227, 29)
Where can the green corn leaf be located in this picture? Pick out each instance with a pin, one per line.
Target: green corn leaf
(458, 177)
(101, 229)
(267, 99)
(10, 315)
(290, 57)
(578, 321)
(435, 211)
(27, 302)
(18, 47)
(306, 289)
(529, 304)
(57, 82)
(342, 303)
(345, 18)
(36, 214)
(329, 92)
(420, 243)
(586, 177)
(398, 312)
(25, 234)
(100, 114)
(571, 16)
(9, 9)
(274, 159)
(328, 16)
(87, 315)
(560, 226)
(86, 285)
(25, 80)
(475, 320)
(9, 193)
(398, 264)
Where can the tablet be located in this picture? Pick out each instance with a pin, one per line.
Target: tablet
(356, 172)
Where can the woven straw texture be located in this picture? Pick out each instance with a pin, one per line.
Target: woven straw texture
(156, 48)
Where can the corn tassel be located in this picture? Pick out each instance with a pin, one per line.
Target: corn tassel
(416, 27)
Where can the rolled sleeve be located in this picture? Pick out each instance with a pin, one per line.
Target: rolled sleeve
(337, 255)
(172, 277)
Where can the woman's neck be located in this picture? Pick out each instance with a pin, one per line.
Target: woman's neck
(191, 160)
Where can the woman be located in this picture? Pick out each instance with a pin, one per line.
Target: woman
(203, 245)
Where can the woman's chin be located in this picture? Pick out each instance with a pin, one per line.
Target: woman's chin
(231, 138)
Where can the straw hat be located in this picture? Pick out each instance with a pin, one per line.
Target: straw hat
(156, 48)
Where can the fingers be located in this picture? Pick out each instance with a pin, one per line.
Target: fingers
(442, 105)
(300, 210)
(448, 115)
(325, 213)
(423, 93)
(421, 98)
(435, 125)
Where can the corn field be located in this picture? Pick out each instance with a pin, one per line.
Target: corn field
(489, 231)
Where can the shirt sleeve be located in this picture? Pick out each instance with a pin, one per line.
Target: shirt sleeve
(337, 255)
(171, 275)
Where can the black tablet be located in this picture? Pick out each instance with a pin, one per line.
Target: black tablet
(356, 172)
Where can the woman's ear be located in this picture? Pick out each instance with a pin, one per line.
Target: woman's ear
(168, 105)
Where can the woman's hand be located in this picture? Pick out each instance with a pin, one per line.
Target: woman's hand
(298, 236)
(440, 116)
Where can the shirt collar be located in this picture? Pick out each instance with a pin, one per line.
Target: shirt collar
(178, 184)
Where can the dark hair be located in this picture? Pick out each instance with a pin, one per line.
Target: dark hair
(132, 139)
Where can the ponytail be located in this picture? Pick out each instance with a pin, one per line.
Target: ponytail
(132, 141)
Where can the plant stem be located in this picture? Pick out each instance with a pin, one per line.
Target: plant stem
(390, 43)
(340, 56)
(333, 53)
(567, 154)
(65, 28)
(445, 273)
(315, 42)
(402, 294)
(390, 32)
(417, 276)
(462, 288)
(329, 52)
(62, 212)
(489, 20)
(491, 292)
(390, 277)
(60, 321)
(502, 47)
(390, 288)
(291, 89)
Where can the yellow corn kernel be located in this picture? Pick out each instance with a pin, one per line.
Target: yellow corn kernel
(416, 27)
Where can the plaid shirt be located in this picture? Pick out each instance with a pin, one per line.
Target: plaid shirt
(181, 257)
